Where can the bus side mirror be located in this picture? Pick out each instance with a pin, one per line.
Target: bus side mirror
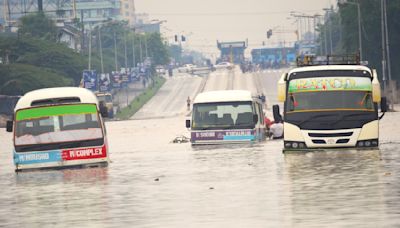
(255, 118)
(384, 107)
(187, 123)
(9, 126)
(103, 109)
(277, 114)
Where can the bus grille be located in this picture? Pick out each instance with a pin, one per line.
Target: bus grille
(328, 135)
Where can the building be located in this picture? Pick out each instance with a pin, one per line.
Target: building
(89, 11)
(128, 12)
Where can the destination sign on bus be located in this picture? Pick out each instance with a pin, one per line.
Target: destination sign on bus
(329, 83)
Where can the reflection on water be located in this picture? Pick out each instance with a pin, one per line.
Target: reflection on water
(154, 183)
(336, 187)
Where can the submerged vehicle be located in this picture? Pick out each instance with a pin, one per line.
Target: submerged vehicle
(107, 100)
(230, 116)
(58, 127)
(330, 102)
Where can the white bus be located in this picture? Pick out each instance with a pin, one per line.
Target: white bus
(231, 116)
(58, 127)
(330, 106)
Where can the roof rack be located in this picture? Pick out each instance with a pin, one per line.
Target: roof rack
(312, 60)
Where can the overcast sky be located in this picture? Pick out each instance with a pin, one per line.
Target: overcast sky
(205, 21)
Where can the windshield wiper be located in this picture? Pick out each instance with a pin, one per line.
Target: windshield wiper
(316, 116)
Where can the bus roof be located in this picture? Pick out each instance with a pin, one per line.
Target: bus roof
(85, 96)
(223, 96)
(330, 67)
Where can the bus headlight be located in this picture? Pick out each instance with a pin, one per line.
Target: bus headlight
(368, 143)
(294, 145)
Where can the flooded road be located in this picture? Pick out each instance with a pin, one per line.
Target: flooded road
(152, 182)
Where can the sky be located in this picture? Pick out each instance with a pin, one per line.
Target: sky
(203, 22)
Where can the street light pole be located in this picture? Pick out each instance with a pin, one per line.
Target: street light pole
(90, 49)
(115, 53)
(391, 86)
(359, 31)
(383, 48)
(126, 52)
(133, 51)
(101, 52)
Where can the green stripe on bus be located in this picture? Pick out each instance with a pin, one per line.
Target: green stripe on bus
(34, 113)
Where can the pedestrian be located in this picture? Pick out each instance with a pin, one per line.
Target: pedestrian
(144, 82)
(276, 130)
(188, 103)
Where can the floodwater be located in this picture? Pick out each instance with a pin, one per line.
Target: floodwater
(152, 182)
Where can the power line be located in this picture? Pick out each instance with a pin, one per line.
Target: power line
(256, 13)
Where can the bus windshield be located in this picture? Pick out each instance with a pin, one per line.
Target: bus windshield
(224, 115)
(55, 124)
(105, 98)
(330, 101)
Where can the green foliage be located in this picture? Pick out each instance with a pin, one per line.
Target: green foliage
(17, 79)
(41, 53)
(156, 49)
(345, 32)
(35, 49)
(38, 25)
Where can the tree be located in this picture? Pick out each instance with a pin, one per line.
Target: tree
(38, 25)
(371, 32)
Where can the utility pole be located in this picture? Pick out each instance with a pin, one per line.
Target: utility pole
(383, 48)
(126, 54)
(101, 51)
(359, 31)
(140, 49)
(115, 53)
(391, 86)
(133, 51)
(82, 33)
(90, 49)
(145, 45)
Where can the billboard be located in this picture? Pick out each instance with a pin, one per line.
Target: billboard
(104, 83)
(90, 80)
(116, 79)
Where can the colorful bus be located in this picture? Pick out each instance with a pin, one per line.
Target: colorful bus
(58, 127)
(230, 116)
(330, 106)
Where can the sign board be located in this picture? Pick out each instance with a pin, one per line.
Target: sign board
(233, 45)
(104, 83)
(116, 79)
(330, 84)
(90, 80)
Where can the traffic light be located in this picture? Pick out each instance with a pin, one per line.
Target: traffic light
(183, 38)
(176, 38)
(269, 33)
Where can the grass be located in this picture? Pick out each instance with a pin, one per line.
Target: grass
(141, 100)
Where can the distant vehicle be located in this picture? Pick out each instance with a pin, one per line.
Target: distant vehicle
(58, 127)
(231, 116)
(187, 68)
(161, 70)
(330, 102)
(107, 100)
(224, 65)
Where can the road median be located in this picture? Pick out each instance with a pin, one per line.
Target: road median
(141, 99)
